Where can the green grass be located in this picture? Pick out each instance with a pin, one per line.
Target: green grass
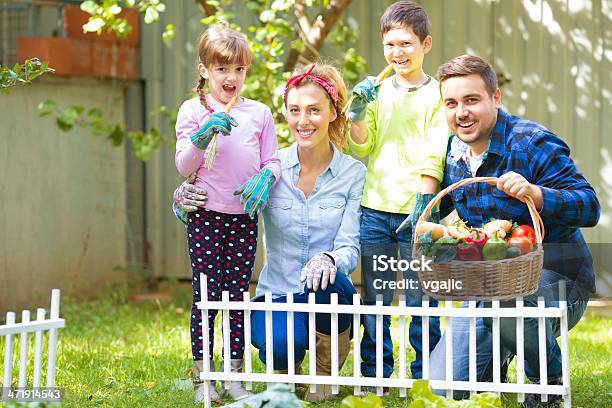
(118, 354)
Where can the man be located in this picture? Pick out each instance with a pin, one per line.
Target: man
(529, 161)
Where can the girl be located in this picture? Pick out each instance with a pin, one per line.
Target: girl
(222, 239)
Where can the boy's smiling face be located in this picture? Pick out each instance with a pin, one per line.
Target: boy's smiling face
(406, 52)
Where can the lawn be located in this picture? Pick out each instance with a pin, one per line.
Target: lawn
(114, 353)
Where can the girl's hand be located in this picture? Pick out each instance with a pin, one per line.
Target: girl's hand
(254, 193)
(217, 122)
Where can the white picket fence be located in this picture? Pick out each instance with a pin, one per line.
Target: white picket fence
(23, 329)
(519, 312)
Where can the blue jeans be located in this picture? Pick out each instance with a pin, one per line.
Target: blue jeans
(577, 299)
(345, 290)
(378, 238)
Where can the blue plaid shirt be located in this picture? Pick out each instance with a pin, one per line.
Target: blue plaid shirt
(569, 201)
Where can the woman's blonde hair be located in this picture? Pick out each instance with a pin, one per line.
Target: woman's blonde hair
(338, 128)
(221, 45)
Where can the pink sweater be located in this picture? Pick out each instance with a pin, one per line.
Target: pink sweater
(251, 146)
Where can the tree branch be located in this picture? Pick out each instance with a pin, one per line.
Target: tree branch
(302, 18)
(318, 32)
(205, 7)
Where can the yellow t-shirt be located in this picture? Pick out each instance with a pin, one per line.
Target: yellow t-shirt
(407, 137)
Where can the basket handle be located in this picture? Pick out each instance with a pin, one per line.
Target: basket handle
(538, 224)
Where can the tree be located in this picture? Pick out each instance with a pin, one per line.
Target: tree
(271, 30)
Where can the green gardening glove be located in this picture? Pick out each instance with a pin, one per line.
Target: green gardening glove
(421, 203)
(217, 122)
(363, 93)
(254, 193)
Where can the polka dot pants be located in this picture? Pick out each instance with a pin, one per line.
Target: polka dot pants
(222, 246)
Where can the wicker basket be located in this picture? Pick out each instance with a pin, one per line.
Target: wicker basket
(502, 279)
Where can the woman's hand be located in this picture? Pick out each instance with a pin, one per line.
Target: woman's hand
(320, 269)
(188, 197)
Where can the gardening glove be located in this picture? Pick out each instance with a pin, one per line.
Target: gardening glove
(187, 198)
(411, 221)
(254, 193)
(363, 93)
(320, 269)
(217, 122)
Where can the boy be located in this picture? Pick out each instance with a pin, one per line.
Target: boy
(400, 125)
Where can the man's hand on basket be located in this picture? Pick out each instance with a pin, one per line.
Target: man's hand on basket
(319, 270)
(419, 207)
(188, 198)
(517, 186)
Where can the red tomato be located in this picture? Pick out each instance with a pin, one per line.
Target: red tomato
(524, 231)
(524, 244)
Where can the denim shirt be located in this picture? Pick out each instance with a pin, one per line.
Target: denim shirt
(297, 227)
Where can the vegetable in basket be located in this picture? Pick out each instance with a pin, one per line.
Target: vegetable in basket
(458, 230)
(443, 250)
(513, 252)
(468, 251)
(525, 231)
(495, 249)
(478, 237)
(524, 244)
(437, 230)
(494, 226)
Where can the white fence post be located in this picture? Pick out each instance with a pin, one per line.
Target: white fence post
(248, 361)
(312, 340)
(205, 339)
(472, 350)
(402, 344)
(52, 346)
(520, 349)
(23, 351)
(40, 316)
(227, 348)
(379, 345)
(496, 345)
(290, 342)
(542, 348)
(334, 343)
(425, 338)
(567, 394)
(449, 349)
(356, 344)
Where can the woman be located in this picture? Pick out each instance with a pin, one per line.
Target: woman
(311, 221)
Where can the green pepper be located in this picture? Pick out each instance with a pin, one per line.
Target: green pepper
(494, 249)
(513, 252)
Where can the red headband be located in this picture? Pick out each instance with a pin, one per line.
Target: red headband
(325, 84)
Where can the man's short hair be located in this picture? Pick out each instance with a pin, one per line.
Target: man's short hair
(466, 65)
(405, 14)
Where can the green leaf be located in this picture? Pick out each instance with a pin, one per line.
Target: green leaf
(63, 124)
(116, 135)
(46, 107)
